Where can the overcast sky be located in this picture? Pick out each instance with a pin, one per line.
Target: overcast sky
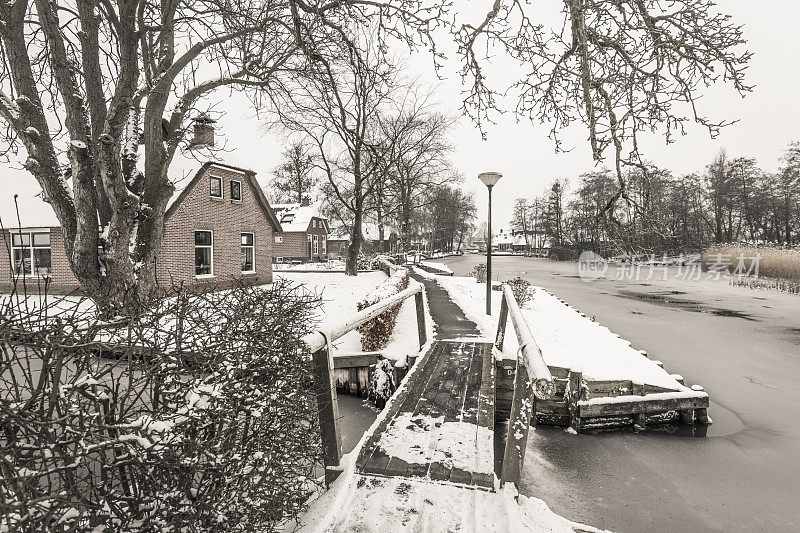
(768, 121)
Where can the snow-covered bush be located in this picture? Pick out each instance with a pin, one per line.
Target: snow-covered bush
(198, 414)
(520, 287)
(479, 273)
(376, 333)
(383, 385)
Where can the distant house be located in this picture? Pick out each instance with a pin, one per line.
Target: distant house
(218, 226)
(503, 241)
(339, 240)
(305, 233)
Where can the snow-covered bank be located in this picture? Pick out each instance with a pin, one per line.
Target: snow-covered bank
(340, 296)
(566, 337)
(440, 267)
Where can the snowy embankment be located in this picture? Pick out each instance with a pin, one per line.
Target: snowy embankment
(340, 297)
(566, 337)
(439, 267)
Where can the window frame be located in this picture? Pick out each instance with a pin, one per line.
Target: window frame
(252, 248)
(278, 239)
(324, 240)
(232, 181)
(316, 244)
(209, 246)
(309, 246)
(211, 179)
(30, 248)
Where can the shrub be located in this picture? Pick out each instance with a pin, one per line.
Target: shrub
(382, 385)
(479, 273)
(519, 287)
(196, 414)
(376, 333)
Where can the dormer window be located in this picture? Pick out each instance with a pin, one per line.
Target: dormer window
(236, 191)
(216, 187)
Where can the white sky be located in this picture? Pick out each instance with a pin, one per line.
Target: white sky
(769, 120)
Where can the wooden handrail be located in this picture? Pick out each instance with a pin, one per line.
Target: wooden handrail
(530, 354)
(316, 340)
(327, 400)
(533, 380)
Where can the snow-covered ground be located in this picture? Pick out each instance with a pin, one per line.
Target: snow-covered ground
(566, 338)
(333, 264)
(340, 296)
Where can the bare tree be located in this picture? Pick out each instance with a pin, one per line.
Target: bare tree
(339, 113)
(416, 137)
(82, 84)
(294, 177)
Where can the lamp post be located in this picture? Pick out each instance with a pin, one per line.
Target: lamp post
(489, 179)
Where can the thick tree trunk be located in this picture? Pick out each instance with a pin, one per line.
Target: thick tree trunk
(354, 247)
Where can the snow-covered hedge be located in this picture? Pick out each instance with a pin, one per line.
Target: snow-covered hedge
(376, 333)
(204, 419)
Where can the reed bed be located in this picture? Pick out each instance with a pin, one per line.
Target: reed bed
(778, 268)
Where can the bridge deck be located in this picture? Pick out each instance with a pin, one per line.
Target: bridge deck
(441, 425)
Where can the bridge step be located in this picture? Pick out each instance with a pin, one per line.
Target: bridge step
(441, 424)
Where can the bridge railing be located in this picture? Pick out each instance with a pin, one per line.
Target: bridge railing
(318, 344)
(532, 379)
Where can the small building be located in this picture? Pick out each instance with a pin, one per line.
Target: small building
(304, 236)
(339, 240)
(219, 227)
(503, 242)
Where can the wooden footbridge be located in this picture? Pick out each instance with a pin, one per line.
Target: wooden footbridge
(445, 422)
(440, 424)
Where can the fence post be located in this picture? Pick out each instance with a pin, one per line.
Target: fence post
(501, 326)
(518, 426)
(421, 329)
(328, 409)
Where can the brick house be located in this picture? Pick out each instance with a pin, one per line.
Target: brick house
(304, 236)
(219, 226)
(339, 240)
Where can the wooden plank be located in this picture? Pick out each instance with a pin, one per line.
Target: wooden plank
(422, 332)
(597, 389)
(559, 372)
(469, 413)
(644, 405)
(551, 407)
(355, 360)
(410, 392)
(501, 325)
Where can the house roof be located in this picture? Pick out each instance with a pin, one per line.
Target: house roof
(188, 166)
(296, 217)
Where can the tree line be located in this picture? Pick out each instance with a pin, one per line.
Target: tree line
(731, 200)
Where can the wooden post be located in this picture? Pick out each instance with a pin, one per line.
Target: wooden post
(640, 421)
(501, 326)
(575, 391)
(423, 334)
(701, 415)
(687, 416)
(518, 426)
(328, 409)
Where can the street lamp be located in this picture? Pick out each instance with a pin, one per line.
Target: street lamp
(489, 179)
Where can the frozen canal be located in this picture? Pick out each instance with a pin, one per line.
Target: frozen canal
(742, 345)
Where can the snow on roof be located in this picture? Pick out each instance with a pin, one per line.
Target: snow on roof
(503, 238)
(34, 212)
(296, 217)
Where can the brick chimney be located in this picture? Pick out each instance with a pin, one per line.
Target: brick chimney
(203, 131)
(305, 202)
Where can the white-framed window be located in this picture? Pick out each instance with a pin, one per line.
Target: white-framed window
(215, 186)
(31, 252)
(278, 239)
(236, 190)
(309, 245)
(316, 244)
(248, 253)
(203, 253)
(279, 259)
(324, 245)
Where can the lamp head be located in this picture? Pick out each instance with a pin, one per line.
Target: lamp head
(490, 178)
